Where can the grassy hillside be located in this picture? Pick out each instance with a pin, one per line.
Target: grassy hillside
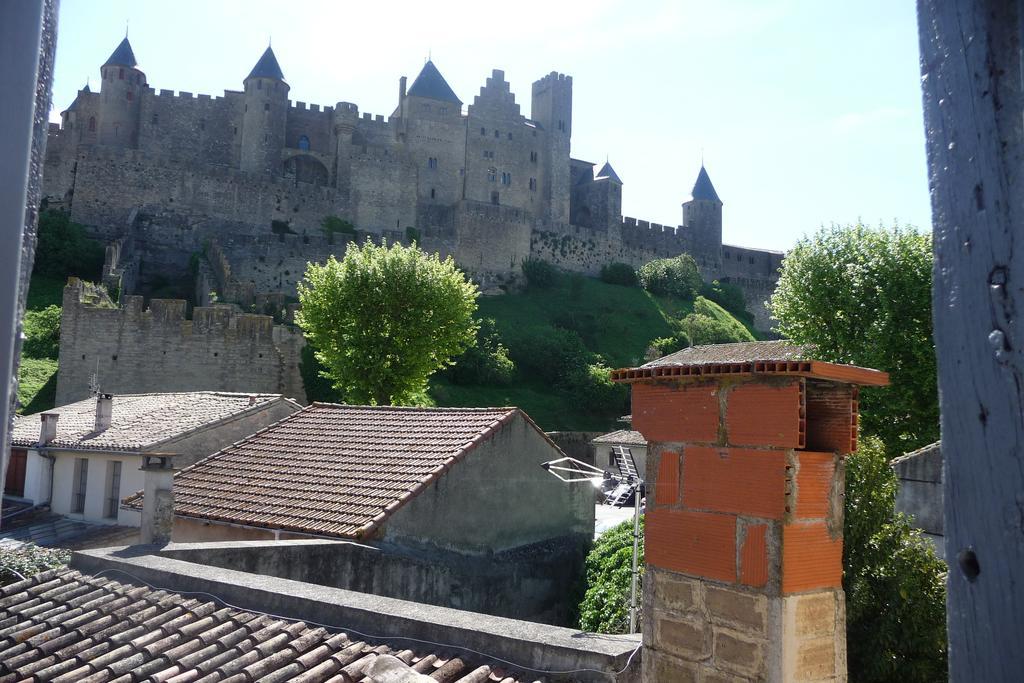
(37, 372)
(617, 323)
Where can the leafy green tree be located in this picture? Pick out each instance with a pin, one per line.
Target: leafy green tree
(42, 333)
(619, 274)
(709, 324)
(383, 319)
(539, 274)
(486, 362)
(894, 583)
(678, 276)
(609, 571)
(28, 560)
(64, 249)
(863, 296)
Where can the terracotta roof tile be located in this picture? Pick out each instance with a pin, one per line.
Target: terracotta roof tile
(139, 421)
(136, 633)
(331, 470)
(622, 437)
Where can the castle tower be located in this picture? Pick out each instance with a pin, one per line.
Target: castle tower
(551, 107)
(346, 116)
(120, 98)
(264, 115)
(702, 217)
(611, 196)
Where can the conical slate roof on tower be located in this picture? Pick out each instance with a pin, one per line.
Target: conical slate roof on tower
(122, 55)
(703, 189)
(431, 84)
(267, 67)
(608, 172)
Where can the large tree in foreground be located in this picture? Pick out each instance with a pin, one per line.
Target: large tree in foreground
(384, 318)
(863, 296)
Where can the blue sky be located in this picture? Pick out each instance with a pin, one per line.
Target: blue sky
(807, 112)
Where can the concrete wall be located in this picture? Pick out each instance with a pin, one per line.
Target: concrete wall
(496, 498)
(920, 492)
(96, 486)
(539, 582)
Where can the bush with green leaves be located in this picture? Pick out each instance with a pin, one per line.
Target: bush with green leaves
(592, 388)
(619, 274)
(63, 248)
(486, 362)
(864, 296)
(728, 296)
(28, 560)
(539, 274)
(549, 351)
(384, 318)
(710, 324)
(609, 571)
(894, 582)
(42, 333)
(678, 276)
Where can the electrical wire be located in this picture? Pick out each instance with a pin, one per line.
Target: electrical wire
(334, 627)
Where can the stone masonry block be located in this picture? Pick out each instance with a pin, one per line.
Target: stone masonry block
(743, 611)
(737, 653)
(815, 614)
(662, 667)
(695, 543)
(666, 488)
(689, 639)
(815, 659)
(711, 675)
(811, 557)
(675, 592)
(760, 414)
(814, 485)
(676, 413)
(742, 481)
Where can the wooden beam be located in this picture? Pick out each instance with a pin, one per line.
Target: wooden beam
(972, 88)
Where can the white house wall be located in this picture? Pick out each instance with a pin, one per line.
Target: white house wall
(96, 484)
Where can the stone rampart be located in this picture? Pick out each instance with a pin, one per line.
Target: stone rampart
(132, 350)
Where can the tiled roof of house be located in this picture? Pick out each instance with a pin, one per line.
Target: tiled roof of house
(66, 626)
(626, 437)
(139, 421)
(775, 357)
(332, 470)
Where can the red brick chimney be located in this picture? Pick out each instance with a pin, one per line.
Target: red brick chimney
(744, 526)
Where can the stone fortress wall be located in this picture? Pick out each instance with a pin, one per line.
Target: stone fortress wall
(231, 190)
(134, 350)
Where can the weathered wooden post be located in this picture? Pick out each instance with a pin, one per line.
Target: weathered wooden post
(974, 119)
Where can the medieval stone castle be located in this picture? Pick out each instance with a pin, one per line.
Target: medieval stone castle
(233, 191)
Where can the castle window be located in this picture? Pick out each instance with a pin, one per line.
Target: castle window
(751, 260)
(92, 124)
(725, 254)
(506, 178)
(444, 110)
(433, 193)
(497, 134)
(492, 174)
(494, 197)
(432, 162)
(259, 85)
(510, 136)
(156, 119)
(266, 137)
(130, 95)
(266, 106)
(425, 107)
(120, 74)
(739, 257)
(533, 157)
(533, 184)
(236, 130)
(483, 132)
(303, 143)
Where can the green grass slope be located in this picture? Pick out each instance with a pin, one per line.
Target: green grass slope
(615, 322)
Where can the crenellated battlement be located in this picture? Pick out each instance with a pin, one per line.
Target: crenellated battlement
(164, 94)
(312, 108)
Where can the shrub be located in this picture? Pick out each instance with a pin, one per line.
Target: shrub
(485, 363)
(709, 324)
(592, 389)
(728, 296)
(412, 234)
(609, 569)
(28, 560)
(42, 333)
(894, 583)
(539, 274)
(64, 249)
(677, 276)
(619, 274)
(333, 224)
(550, 352)
(663, 346)
(281, 228)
